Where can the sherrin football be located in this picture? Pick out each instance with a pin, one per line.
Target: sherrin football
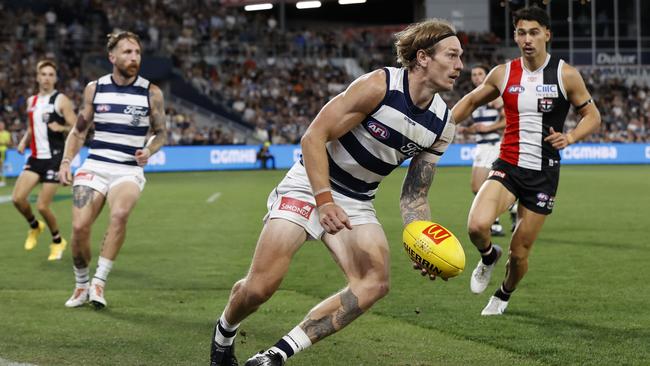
(434, 248)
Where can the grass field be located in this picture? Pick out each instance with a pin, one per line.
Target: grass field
(584, 301)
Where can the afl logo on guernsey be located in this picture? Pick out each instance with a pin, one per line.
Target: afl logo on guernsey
(378, 130)
(516, 89)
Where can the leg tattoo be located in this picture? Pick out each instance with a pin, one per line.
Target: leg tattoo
(81, 196)
(79, 261)
(317, 329)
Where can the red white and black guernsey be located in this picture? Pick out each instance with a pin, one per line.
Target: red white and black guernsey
(43, 110)
(534, 101)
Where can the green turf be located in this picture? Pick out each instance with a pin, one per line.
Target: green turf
(584, 301)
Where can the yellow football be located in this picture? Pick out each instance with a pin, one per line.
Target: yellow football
(434, 248)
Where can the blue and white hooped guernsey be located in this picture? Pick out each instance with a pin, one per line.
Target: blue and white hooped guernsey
(395, 131)
(121, 120)
(486, 115)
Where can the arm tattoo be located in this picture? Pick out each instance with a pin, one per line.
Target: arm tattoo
(414, 203)
(81, 196)
(157, 121)
(317, 329)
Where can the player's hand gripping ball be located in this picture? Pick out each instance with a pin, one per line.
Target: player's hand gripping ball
(434, 248)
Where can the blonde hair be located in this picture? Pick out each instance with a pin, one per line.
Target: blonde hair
(420, 36)
(115, 37)
(44, 63)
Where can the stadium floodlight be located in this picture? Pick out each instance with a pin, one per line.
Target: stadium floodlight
(348, 2)
(307, 4)
(255, 7)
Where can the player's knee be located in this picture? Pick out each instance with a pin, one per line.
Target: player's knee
(257, 293)
(80, 229)
(119, 216)
(476, 227)
(42, 208)
(370, 291)
(18, 201)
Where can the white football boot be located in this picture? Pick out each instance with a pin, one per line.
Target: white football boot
(78, 298)
(495, 306)
(482, 273)
(96, 295)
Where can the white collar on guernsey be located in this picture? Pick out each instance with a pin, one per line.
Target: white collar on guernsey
(523, 65)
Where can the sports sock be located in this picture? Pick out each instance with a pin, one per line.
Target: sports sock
(56, 237)
(104, 266)
(292, 343)
(488, 255)
(496, 222)
(33, 223)
(503, 293)
(81, 276)
(225, 332)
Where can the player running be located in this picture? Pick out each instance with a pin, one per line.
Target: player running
(537, 90)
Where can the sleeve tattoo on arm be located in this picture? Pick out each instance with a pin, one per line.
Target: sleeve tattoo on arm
(157, 120)
(413, 202)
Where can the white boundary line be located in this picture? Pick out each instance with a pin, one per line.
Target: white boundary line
(4, 362)
(213, 198)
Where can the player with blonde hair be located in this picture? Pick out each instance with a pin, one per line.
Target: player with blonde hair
(358, 138)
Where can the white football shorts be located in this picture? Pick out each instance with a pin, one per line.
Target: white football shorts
(486, 154)
(102, 176)
(293, 200)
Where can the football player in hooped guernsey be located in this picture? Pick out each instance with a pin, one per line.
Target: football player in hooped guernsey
(537, 90)
(358, 138)
(123, 107)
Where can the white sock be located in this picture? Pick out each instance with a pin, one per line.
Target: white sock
(81, 276)
(104, 267)
(226, 332)
(292, 343)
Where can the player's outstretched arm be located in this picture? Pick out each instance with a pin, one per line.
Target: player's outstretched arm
(77, 136)
(337, 117)
(482, 94)
(580, 98)
(157, 123)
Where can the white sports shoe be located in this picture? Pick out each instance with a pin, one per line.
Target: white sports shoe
(78, 298)
(495, 306)
(482, 273)
(96, 295)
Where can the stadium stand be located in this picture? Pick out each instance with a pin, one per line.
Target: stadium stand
(265, 84)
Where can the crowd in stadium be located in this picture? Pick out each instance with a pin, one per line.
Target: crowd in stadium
(275, 80)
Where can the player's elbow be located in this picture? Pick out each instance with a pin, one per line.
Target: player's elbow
(597, 118)
(311, 138)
